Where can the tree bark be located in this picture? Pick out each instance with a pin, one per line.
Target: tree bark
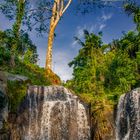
(49, 50)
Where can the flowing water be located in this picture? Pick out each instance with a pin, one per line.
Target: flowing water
(128, 116)
(52, 113)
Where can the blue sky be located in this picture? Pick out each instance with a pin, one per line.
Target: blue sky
(111, 21)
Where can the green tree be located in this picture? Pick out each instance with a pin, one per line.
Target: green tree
(121, 75)
(21, 12)
(85, 80)
(89, 69)
(134, 10)
(20, 7)
(24, 45)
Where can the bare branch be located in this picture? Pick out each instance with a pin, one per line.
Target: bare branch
(42, 20)
(62, 7)
(69, 2)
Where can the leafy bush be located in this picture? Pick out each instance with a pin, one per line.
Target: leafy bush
(16, 93)
(4, 56)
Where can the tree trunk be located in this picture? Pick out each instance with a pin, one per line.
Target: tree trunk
(49, 50)
(57, 11)
(12, 61)
(53, 24)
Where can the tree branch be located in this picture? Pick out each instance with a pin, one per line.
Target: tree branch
(62, 6)
(69, 2)
(42, 20)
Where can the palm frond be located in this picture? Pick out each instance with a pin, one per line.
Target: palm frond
(79, 41)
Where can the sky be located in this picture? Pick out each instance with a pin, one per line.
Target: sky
(111, 21)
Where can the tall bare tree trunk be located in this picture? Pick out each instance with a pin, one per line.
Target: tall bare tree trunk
(49, 49)
(57, 11)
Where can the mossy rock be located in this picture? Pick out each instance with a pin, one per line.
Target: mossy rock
(16, 93)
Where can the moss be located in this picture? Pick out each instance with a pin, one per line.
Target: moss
(16, 93)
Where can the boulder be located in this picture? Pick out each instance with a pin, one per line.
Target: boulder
(18, 78)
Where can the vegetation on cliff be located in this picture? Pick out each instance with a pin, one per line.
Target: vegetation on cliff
(103, 72)
(25, 64)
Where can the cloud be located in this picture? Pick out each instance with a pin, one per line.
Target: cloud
(102, 26)
(60, 64)
(61, 58)
(106, 17)
(74, 43)
(80, 34)
(93, 27)
(103, 20)
(80, 29)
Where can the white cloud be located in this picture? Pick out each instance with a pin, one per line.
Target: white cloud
(60, 64)
(103, 20)
(80, 34)
(74, 43)
(99, 26)
(106, 17)
(102, 26)
(61, 58)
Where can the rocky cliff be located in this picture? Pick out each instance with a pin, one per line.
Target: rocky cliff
(51, 113)
(128, 116)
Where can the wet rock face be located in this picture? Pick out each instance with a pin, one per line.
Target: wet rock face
(128, 116)
(3, 107)
(51, 113)
(3, 100)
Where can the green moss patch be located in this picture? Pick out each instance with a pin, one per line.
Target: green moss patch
(16, 93)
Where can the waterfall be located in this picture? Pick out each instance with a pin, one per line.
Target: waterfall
(128, 116)
(52, 113)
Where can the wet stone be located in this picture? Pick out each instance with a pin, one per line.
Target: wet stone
(54, 116)
(128, 116)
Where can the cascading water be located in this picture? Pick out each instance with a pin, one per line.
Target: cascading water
(128, 116)
(52, 113)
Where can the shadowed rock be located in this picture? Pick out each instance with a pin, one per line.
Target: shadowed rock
(128, 116)
(3, 106)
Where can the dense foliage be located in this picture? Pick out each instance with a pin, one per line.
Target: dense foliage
(112, 68)
(25, 64)
(102, 72)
